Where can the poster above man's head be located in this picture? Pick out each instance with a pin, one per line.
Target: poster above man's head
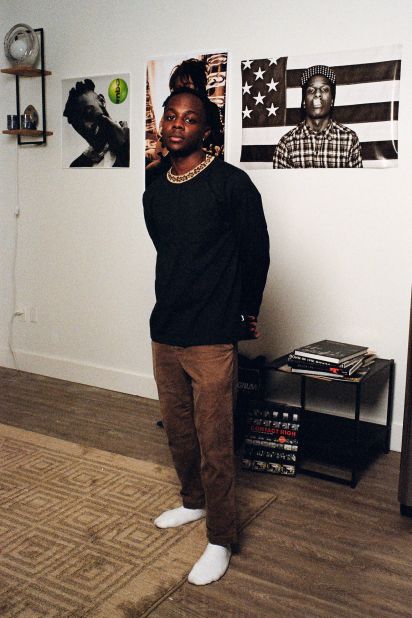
(335, 109)
(204, 73)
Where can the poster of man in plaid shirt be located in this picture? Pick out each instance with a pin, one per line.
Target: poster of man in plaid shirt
(346, 116)
(318, 141)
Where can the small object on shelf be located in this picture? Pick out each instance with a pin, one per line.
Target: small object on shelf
(331, 351)
(25, 55)
(12, 122)
(33, 116)
(25, 122)
(21, 45)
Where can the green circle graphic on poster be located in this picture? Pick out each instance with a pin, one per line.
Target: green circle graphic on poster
(118, 90)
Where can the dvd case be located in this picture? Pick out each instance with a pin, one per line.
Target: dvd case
(271, 438)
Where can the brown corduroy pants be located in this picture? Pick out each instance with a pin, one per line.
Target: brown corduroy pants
(197, 387)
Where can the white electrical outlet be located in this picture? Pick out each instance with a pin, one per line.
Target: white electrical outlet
(21, 314)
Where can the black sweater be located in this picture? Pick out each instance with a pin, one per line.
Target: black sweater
(212, 255)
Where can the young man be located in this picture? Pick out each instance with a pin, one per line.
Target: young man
(206, 221)
(191, 74)
(108, 140)
(318, 141)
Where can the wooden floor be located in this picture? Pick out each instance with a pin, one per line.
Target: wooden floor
(319, 550)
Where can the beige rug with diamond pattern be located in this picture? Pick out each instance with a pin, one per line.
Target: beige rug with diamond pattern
(76, 532)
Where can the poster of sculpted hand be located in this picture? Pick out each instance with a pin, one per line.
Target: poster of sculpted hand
(322, 110)
(96, 118)
(204, 72)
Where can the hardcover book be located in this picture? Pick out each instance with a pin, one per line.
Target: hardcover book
(330, 371)
(331, 351)
(271, 442)
(355, 377)
(302, 362)
(268, 466)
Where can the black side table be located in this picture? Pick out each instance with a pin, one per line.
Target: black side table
(347, 442)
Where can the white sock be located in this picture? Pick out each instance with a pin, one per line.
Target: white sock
(178, 517)
(211, 566)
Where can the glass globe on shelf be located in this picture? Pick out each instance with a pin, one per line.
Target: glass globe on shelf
(21, 45)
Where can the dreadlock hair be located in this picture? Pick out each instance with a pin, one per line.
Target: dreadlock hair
(193, 68)
(71, 105)
(212, 115)
(207, 105)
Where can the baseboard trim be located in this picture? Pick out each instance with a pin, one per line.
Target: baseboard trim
(109, 378)
(396, 437)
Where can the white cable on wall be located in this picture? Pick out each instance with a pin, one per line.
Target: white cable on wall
(15, 312)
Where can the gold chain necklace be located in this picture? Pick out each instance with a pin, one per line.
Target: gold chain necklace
(176, 179)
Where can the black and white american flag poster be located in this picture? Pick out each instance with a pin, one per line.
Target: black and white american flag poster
(366, 101)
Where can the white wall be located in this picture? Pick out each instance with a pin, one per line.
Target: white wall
(8, 200)
(341, 240)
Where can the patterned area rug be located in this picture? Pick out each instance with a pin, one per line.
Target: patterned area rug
(76, 532)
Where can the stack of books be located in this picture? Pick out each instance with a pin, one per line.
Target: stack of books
(331, 359)
(272, 438)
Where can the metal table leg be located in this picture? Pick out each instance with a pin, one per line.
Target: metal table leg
(355, 454)
(389, 410)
